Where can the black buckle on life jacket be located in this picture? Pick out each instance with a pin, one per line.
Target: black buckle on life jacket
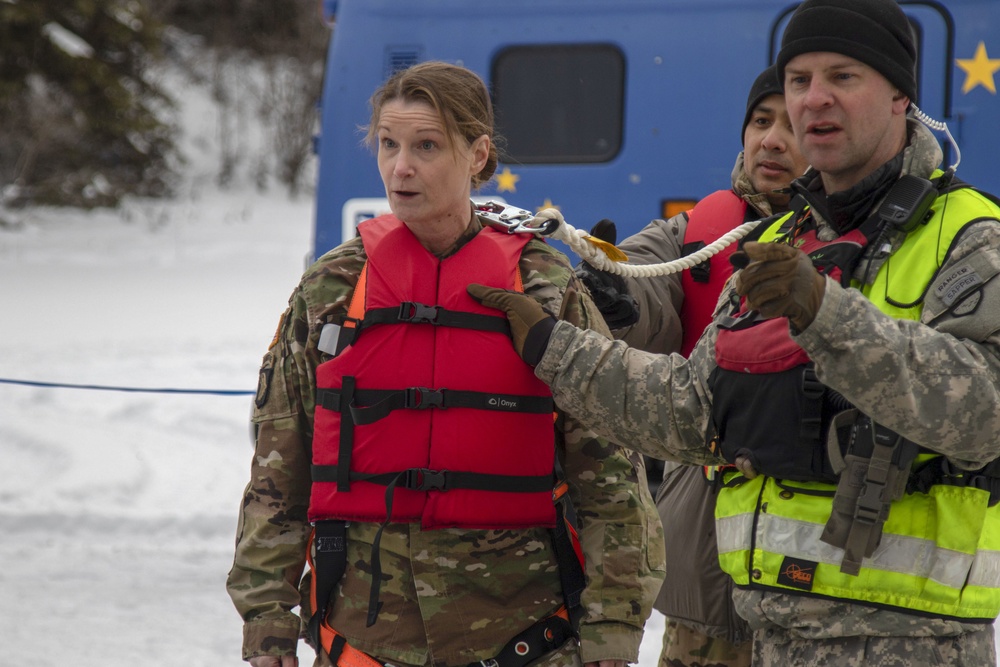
(941, 471)
(418, 313)
(700, 273)
(421, 398)
(740, 322)
(424, 479)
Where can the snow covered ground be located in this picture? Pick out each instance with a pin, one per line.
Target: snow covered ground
(118, 509)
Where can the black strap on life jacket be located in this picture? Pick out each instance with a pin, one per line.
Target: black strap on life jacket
(367, 406)
(346, 445)
(941, 471)
(700, 273)
(425, 479)
(811, 423)
(411, 312)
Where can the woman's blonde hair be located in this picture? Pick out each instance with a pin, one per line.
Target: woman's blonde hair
(458, 95)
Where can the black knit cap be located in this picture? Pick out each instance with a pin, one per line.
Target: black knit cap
(876, 32)
(767, 83)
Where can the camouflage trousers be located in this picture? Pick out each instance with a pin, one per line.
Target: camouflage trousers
(774, 647)
(685, 647)
(567, 655)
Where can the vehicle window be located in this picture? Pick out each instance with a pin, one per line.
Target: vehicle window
(559, 103)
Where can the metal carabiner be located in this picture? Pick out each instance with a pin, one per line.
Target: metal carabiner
(513, 220)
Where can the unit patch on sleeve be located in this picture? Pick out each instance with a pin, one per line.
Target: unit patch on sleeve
(263, 386)
(955, 285)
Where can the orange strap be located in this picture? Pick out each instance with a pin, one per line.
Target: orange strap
(349, 656)
(356, 311)
(331, 640)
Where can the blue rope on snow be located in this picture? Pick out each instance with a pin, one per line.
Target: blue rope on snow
(57, 385)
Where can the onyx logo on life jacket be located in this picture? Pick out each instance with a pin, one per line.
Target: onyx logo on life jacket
(503, 402)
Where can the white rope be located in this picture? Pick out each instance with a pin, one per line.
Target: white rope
(594, 256)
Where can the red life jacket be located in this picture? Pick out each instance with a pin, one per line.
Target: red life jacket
(714, 216)
(431, 398)
(765, 390)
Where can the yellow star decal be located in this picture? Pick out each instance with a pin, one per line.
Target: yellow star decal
(507, 181)
(546, 204)
(979, 70)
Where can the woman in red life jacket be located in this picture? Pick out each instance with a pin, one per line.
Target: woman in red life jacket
(449, 514)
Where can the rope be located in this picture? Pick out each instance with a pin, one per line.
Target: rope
(596, 257)
(57, 385)
(578, 240)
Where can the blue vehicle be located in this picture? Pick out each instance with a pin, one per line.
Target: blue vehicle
(624, 109)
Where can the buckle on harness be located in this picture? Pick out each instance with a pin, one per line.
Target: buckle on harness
(811, 386)
(410, 311)
(421, 398)
(424, 479)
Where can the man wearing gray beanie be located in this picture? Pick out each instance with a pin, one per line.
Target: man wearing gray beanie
(851, 376)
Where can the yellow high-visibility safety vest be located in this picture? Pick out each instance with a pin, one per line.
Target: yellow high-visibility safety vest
(940, 551)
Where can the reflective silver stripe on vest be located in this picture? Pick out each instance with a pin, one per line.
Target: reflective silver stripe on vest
(896, 553)
(985, 569)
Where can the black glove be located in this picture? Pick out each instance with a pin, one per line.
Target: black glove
(609, 291)
(530, 325)
(780, 281)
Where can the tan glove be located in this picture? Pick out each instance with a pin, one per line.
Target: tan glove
(530, 325)
(780, 281)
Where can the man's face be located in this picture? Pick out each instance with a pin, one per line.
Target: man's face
(771, 156)
(848, 119)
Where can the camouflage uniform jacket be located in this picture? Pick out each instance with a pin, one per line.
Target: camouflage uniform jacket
(450, 596)
(937, 382)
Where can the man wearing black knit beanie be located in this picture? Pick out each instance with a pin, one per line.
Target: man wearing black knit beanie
(864, 592)
(850, 378)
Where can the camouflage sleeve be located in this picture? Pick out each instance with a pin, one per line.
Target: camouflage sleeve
(620, 531)
(659, 404)
(660, 298)
(936, 382)
(273, 529)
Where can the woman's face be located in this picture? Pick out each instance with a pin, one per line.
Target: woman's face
(427, 173)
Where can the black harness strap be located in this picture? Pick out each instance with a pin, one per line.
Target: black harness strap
(423, 479)
(532, 643)
(566, 545)
(346, 434)
(376, 404)
(941, 471)
(811, 427)
(329, 561)
(411, 312)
